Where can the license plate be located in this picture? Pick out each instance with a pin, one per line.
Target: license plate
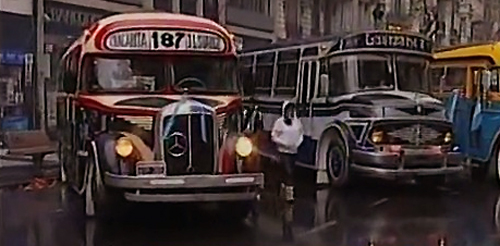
(150, 169)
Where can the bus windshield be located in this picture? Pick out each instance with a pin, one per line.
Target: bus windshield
(355, 73)
(143, 73)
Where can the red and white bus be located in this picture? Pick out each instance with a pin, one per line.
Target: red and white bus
(150, 110)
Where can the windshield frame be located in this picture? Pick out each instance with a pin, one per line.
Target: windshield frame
(169, 87)
(393, 64)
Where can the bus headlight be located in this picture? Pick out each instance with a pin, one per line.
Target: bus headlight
(244, 146)
(124, 147)
(448, 137)
(377, 136)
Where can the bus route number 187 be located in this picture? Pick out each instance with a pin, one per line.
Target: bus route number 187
(186, 41)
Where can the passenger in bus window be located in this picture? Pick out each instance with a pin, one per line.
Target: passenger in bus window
(288, 134)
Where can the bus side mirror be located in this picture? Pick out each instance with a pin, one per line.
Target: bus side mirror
(486, 79)
(69, 82)
(253, 120)
(323, 84)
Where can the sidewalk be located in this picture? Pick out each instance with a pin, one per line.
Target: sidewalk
(15, 170)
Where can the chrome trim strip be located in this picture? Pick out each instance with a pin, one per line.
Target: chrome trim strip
(188, 181)
(396, 172)
(200, 197)
(190, 139)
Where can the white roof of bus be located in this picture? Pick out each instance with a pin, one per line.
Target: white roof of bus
(194, 22)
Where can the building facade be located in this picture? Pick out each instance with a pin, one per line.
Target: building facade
(447, 22)
(17, 44)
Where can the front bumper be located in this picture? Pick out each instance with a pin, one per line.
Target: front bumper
(412, 162)
(188, 188)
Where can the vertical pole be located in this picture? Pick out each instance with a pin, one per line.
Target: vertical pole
(222, 11)
(355, 15)
(148, 4)
(176, 6)
(199, 8)
(452, 24)
(40, 64)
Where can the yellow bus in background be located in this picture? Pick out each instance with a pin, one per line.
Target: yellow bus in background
(453, 67)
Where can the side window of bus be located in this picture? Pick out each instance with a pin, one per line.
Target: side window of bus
(323, 90)
(314, 75)
(456, 77)
(264, 73)
(288, 69)
(245, 67)
(68, 75)
(436, 75)
(494, 85)
(338, 78)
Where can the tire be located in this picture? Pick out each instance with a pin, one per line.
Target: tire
(62, 169)
(337, 163)
(493, 171)
(100, 201)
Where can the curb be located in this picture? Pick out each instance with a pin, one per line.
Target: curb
(46, 163)
(17, 180)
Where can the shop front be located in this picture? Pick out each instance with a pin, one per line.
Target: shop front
(16, 72)
(65, 23)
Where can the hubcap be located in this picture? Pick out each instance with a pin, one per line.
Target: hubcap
(336, 161)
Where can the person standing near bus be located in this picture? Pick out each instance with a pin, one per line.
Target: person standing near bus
(288, 134)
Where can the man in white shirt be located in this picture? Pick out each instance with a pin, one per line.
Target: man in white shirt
(288, 134)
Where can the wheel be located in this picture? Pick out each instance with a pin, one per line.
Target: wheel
(62, 169)
(493, 171)
(337, 163)
(100, 201)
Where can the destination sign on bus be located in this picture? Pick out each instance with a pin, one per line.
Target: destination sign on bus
(165, 40)
(388, 40)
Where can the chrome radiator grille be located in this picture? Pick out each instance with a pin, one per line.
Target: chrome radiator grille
(414, 133)
(188, 148)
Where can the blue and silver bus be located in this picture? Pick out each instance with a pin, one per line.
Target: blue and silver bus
(364, 102)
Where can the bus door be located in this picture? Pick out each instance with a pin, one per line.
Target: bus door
(65, 120)
(486, 114)
(309, 73)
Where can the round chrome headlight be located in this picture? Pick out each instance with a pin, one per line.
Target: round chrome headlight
(377, 136)
(244, 146)
(448, 137)
(124, 147)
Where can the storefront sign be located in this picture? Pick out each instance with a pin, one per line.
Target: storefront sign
(72, 17)
(163, 40)
(392, 40)
(12, 58)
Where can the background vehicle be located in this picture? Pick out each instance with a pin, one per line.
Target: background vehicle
(363, 100)
(475, 114)
(151, 112)
(453, 67)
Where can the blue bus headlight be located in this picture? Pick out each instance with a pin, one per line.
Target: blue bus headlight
(448, 137)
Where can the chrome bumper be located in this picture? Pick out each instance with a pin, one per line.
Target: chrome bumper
(418, 162)
(188, 188)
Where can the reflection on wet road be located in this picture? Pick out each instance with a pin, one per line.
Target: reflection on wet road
(368, 214)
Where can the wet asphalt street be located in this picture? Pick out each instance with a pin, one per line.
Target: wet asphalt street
(370, 213)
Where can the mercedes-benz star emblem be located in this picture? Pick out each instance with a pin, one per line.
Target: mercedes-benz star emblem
(176, 144)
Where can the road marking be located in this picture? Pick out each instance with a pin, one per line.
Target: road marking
(381, 201)
(317, 229)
